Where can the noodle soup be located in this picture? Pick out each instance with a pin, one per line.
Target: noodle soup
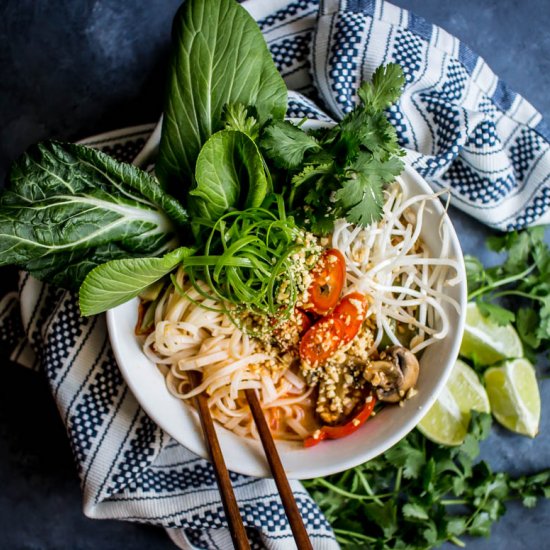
(405, 287)
(389, 425)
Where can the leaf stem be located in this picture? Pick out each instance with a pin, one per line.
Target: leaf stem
(398, 478)
(347, 494)
(502, 282)
(368, 488)
(354, 534)
(517, 293)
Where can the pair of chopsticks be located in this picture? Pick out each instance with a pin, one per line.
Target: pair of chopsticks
(236, 526)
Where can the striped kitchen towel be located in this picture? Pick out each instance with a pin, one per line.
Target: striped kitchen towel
(463, 129)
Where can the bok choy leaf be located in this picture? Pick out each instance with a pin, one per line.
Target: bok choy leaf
(118, 281)
(69, 208)
(220, 57)
(229, 174)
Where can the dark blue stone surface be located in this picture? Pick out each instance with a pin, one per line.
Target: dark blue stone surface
(71, 68)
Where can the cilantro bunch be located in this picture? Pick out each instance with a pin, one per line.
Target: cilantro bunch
(419, 494)
(339, 172)
(518, 289)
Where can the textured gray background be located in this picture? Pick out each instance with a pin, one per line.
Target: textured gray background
(71, 68)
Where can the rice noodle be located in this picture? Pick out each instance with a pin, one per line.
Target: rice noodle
(189, 338)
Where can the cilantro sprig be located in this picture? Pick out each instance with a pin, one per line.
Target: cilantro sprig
(340, 172)
(419, 494)
(517, 289)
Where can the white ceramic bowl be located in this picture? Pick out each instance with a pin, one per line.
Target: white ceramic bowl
(245, 455)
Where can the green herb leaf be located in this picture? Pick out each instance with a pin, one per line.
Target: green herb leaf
(286, 144)
(230, 173)
(118, 281)
(406, 456)
(68, 208)
(475, 273)
(242, 118)
(220, 57)
(384, 89)
(415, 511)
(385, 516)
(498, 314)
(361, 195)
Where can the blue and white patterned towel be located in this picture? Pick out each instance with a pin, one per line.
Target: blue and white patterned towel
(463, 129)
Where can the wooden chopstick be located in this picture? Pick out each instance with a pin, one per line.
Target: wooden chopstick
(296, 524)
(236, 526)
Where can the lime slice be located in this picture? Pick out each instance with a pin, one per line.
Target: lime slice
(514, 396)
(486, 341)
(447, 421)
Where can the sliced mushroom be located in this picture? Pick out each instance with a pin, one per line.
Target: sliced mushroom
(394, 374)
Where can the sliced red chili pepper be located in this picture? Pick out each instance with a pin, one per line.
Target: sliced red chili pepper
(334, 330)
(336, 432)
(351, 312)
(329, 276)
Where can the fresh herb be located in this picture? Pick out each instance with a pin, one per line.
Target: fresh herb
(517, 289)
(69, 208)
(286, 144)
(340, 172)
(419, 494)
(220, 57)
(242, 118)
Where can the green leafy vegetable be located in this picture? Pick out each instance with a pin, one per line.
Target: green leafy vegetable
(220, 57)
(118, 281)
(418, 494)
(69, 269)
(520, 282)
(340, 172)
(69, 208)
(229, 174)
(287, 144)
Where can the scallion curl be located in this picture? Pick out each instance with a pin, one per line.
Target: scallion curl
(245, 258)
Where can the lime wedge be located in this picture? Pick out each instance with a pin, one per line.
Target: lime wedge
(486, 341)
(514, 396)
(447, 421)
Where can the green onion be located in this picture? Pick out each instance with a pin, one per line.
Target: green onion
(246, 257)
